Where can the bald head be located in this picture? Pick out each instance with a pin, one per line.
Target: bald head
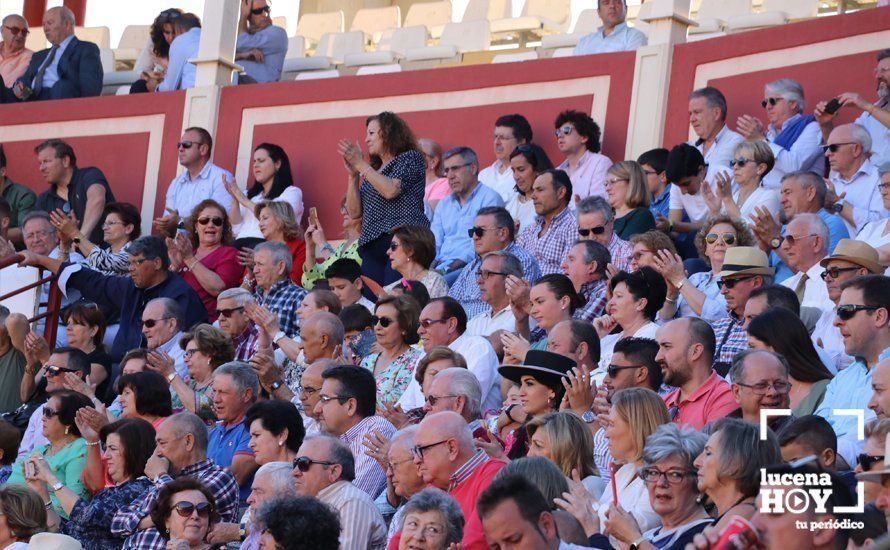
(448, 425)
(328, 324)
(321, 333)
(15, 19)
(880, 384)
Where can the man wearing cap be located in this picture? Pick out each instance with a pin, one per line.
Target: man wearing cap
(744, 269)
(851, 259)
(805, 244)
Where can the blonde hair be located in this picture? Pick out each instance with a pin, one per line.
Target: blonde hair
(878, 428)
(760, 153)
(284, 212)
(637, 191)
(644, 411)
(571, 445)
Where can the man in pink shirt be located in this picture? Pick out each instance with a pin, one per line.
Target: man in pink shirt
(14, 57)
(578, 138)
(685, 353)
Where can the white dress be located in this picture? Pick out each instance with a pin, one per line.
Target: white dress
(523, 212)
(762, 196)
(250, 226)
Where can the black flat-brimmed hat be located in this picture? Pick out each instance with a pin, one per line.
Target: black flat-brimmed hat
(545, 366)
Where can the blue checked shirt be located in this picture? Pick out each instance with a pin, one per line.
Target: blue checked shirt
(220, 482)
(731, 338)
(466, 291)
(595, 294)
(551, 248)
(283, 298)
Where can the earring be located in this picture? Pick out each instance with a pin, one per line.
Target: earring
(281, 443)
(67, 429)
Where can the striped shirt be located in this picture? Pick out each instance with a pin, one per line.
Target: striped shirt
(466, 291)
(369, 476)
(361, 525)
(601, 454)
(464, 472)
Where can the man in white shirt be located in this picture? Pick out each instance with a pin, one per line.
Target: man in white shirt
(707, 116)
(200, 180)
(443, 322)
(180, 73)
(687, 170)
(854, 194)
(875, 117)
(805, 244)
(491, 278)
(614, 35)
(509, 132)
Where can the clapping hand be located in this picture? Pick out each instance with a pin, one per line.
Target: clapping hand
(518, 290)
(711, 198)
(90, 421)
(160, 362)
(71, 381)
(669, 266)
(168, 223)
(515, 348)
(262, 317)
(352, 155)
(394, 414)
(750, 128)
(245, 258)
(263, 364)
(764, 226)
(232, 187)
(37, 347)
(579, 393)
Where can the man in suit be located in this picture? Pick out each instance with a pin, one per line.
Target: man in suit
(70, 68)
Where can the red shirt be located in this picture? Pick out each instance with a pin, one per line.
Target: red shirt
(298, 253)
(711, 401)
(466, 493)
(224, 262)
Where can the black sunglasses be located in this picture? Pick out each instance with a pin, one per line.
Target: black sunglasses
(847, 312)
(867, 461)
(49, 413)
(612, 370)
(260, 11)
(227, 312)
(834, 272)
(215, 220)
(150, 323)
(55, 370)
(730, 284)
(833, 147)
(478, 231)
(382, 321)
(598, 230)
(740, 162)
(303, 463)
(771, 101)
(186, 509)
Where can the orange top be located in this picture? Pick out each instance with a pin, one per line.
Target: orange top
(14, 66)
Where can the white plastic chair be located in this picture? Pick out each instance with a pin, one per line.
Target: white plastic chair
(393, 45)
(132, 42)
(775, 12)
(312, 26)
(100, 36)
(373, 21)
(457, 38)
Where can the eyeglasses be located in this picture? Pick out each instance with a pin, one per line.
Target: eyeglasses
(303, 463)
(36, 235)
(49, 413)
(427, 323)
(186, 144)
(791, 238)
(761, 388)
(433, 399)
(393, 246)
(727, 238)
(215, 220)
(133, 264)
(418, 450)
(613, 181)
(478, 231)
(739, 162)
(108, 223)
(393, 465)
(653, 475)
(848, 311)
(833, 147)
(730, 283)
(150, 323)
(565, 130)
(449, 169)
(260, 11)
(430, 530)
(499, 137)
(17, 30)
(612, 370)
(484, 274)
(55, 370)
(308, 390)
(189, 353)
(186, 509)
(382, 321)
(598, 230)
(171, 13)
(650, 172)
(834, 272)
(867, 461)
(327, 398)
(228, 312)
(882, 186)
(771, 101)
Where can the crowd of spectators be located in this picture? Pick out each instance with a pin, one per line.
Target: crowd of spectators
(601, 354)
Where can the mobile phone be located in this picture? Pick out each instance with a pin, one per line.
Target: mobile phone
(313, 216)
(832, 106)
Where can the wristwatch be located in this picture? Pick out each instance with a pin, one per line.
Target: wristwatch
(276, 384)
(57, 485)
(170, 377)
(278, 336)
(588, 417)
(838, 206)
(775, 242)
(636, 544)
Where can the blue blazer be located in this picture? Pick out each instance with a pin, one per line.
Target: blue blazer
(80, 72)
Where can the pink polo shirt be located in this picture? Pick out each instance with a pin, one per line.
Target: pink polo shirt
(711, 401)
(589, 177)
(14, 66)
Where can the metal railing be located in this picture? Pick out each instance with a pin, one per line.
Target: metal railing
(52, 306)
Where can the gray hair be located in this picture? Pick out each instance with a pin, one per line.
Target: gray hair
(671, 440)
(241, 296)
(810, 180)
(328, 325)
(172, 309)
(737, 370)
(714, 97)
(406, 433)
(16, 16)
(463, 382)
(466, 154)
(37, 214)
(595, 252)
(65, 14)
(437, 500)
(816, 225)
(279, 252)
(789, 89)
(281, 474)
(860, 135)
(339, 453)
(742, 453)
(884, 169)
(242, 375)
(510, 264)
(189, 423)
(595, 203)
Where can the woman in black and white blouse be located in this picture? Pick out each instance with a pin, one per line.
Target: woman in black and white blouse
(385, 192)
(121, 226)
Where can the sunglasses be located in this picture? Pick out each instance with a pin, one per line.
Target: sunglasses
(382, 321)
(228, 312)
(393, 246)
(303, 463)
(598, 230)
(730, 284)
(215, 220)
(150, 323)
(185, 144)
(564, 131)
(847, 312)
(185, 508)
(727, 238)
(18, 31)
(833, 147)
(612, 370)
(478, 231)
(55, 370)
(433, 399)
(771, 101)
(739, 162)
(427, 323)
(792, 239)
(867, 461)
(834, 272)
(49, 413)
(260, 11)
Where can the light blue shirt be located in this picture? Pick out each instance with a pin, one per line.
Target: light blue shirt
(272, 41)
(185, 193)
(714, 306)
(723, 149)
(850, 389)
(181, 73)
(51, 74)
(452, 220)
(622, 39)
(837, 230)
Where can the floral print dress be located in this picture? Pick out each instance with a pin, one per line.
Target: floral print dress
(391, 383)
